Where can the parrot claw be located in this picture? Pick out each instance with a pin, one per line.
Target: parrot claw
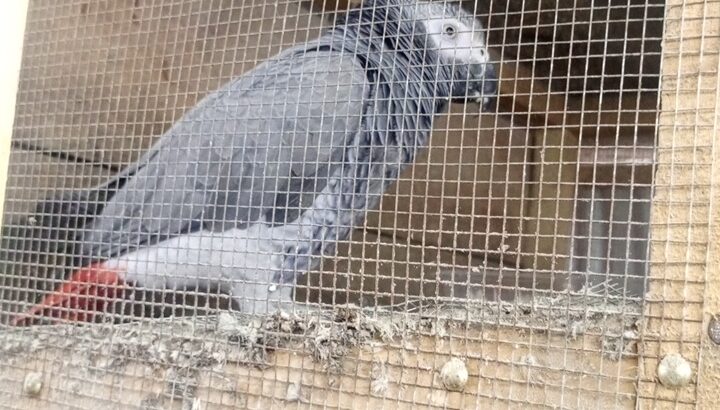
(478, 97)
(484, 101)
(481, 99)
(88, 292)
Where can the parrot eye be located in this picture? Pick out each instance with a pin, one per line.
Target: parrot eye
(450, 30)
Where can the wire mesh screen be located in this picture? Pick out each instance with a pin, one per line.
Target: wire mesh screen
(222, 204)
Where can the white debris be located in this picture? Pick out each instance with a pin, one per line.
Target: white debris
(293, 392)
(196, 404)
(674, 371)
(529, 360)
(630, 335)
(227, 324)
(380, 379)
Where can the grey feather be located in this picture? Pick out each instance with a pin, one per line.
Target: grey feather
(224, 163)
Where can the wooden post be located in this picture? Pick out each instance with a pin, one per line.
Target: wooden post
(685, 230)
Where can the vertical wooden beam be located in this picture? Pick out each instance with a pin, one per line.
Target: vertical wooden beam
(708, 375)
(684, 273)
(12, 29)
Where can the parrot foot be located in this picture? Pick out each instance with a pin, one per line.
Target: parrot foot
(261, 299)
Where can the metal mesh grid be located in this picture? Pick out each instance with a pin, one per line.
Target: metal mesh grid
(683, 211)
(518, 241)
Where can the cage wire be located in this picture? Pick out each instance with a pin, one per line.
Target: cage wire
(517, 242)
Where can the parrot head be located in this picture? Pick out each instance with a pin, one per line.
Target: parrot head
(459, 40)
(443, 43)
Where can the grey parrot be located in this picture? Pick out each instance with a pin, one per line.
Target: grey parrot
(263, 177)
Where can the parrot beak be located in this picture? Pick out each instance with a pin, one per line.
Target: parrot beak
(486, 85)
(89, 293)
(481, 87)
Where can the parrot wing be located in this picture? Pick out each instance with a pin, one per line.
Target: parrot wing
(232, 160)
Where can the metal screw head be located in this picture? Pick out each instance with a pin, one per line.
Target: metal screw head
(454, 374)
(32, 385)
(714, 330)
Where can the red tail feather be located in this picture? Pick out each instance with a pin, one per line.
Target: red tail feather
(88, 292)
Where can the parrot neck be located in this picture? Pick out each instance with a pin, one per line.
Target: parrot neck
(407, 79)
(408, 87)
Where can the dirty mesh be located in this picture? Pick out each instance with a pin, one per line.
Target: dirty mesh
(508, 263)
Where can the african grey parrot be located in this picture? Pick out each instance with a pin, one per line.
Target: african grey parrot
(264, 176)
